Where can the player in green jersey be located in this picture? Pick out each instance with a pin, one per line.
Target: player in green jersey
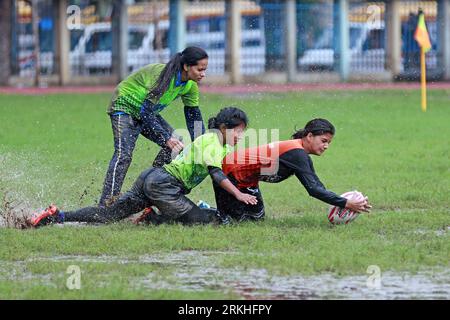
(135, 109)
(166, 187)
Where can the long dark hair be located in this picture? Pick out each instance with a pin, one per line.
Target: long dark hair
(317, 127)
(231, 117)
(189, 56)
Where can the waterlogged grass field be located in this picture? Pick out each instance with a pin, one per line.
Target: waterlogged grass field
(56, 148)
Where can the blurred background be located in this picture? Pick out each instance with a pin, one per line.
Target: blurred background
(99, 42)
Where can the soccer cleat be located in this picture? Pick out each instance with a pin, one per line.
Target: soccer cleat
(145, 216)
(47, 216)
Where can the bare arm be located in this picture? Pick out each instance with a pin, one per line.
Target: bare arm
(219, 177)
(243, 197)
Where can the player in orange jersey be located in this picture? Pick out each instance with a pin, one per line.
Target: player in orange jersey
(275, 162)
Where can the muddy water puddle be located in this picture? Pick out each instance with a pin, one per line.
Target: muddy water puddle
(199, 270)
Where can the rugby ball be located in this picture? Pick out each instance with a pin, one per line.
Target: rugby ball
(337, 215)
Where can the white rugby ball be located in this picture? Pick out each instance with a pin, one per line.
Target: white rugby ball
(337, 215)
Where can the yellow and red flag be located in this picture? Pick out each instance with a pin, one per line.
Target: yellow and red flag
(421, 34)
(422, 37)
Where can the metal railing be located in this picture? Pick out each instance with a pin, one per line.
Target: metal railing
(263, 36)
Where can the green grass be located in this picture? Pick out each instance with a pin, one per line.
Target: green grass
(56, 148)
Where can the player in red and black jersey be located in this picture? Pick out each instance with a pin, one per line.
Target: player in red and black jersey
(276, 162)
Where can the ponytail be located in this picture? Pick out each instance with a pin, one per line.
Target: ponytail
(317, 127)
(298, 134)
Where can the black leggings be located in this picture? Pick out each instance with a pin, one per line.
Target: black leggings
(227, 204)
(127, 207)
(122, 208)
(154, 187)
(126, 130)
(194, 216)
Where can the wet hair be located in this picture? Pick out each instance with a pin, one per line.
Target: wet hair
(317, 127)
(189, 56)
(231, 117)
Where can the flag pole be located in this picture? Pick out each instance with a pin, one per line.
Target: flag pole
(423, 79)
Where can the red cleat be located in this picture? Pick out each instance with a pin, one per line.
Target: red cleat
(47, 216)
(144, 216)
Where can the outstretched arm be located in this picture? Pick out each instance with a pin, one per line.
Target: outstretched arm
(301, 163)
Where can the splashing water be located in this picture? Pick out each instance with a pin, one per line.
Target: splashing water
(13, 213)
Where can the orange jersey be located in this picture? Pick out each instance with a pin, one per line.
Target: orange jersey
(247, 165)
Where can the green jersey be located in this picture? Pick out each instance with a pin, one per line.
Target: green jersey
(131, 92)
(191, 165)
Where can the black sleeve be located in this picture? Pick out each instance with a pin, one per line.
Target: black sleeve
(216, 174)
(300, 162)
(151, 121)
(194, 116)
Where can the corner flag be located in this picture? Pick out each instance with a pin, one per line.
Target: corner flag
(422, 37)
(421, 34)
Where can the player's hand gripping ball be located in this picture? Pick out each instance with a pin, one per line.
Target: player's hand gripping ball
(337, 215)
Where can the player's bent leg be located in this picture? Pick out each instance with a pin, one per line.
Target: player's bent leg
(251, 212)
(239, 211)
(203, 216)
(168, 194)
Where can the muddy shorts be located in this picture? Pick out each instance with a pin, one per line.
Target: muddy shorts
(166, 193)
(227, 204)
